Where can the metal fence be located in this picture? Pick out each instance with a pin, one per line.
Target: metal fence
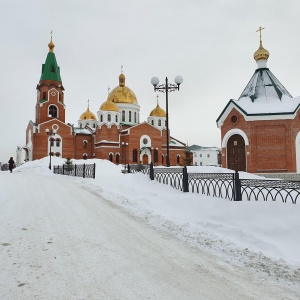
(225, 185)
(84, 171)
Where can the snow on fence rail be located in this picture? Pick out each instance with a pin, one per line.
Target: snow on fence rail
(224, 185)
(84, 171)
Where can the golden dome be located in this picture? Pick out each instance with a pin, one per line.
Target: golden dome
(109, 106)
(261, 53)
(122, 93)
(87, 115)
(51, 46)
(157, 112)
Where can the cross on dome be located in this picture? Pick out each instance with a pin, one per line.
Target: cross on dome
(260, 30)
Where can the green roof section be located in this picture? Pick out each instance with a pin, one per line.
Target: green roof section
(50, 69)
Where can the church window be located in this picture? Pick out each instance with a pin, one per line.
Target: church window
(101, 118)
(123, 115)
(116, 118)
(130, 116)
(94, 126)
(80, 125)
(117, 158)
(57, 154)
(57, 142)
(52, 142)
(152, 122)
(134, 117)
(159, 122)
(59, 97)
(156, 156)
(110, 157)
(109, 118)
(84, 156)
(178, 159)
(134, 155)
(53, 111)
(234, 119)
(44, 96)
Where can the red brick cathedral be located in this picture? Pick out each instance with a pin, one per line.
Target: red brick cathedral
(115, 134)
(260, 131)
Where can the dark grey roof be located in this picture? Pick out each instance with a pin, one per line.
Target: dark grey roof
(264, 84)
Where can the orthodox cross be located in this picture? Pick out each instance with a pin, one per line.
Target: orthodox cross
(260, 29)
(88, 103)
(157, 98)
(122, 69)
(51, 34)
(108, 89)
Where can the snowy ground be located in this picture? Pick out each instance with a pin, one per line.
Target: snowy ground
(49, 223)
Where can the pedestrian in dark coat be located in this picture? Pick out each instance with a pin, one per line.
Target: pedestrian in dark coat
(11, 164)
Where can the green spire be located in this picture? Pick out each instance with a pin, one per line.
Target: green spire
(50, 69)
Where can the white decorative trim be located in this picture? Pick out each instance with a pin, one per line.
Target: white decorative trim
(231, 133)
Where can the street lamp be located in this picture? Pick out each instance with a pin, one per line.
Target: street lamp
(50, 133)
(166, 88)
(124, 147)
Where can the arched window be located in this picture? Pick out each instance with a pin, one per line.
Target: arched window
(57, 143)
(52, 142)
(134, 117)
(80, 125)
(116, 118)
(84, 156)
(110, 157)
(52, 111)
(130, 116)
(117, 158)
(94, 126)
(123, 115)
(159, 122)
(109, 118)
(101, 118)
(152, 122)
(57, 154)
(44, 96)
(178, 159)
(134, 155)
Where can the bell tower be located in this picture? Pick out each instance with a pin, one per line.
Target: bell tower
(50, 91)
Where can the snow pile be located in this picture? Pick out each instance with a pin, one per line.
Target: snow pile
(247, 231)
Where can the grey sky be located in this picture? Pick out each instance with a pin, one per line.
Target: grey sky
(209, 43)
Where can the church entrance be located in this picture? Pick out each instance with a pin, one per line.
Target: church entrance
(236, 158)
(145, 159)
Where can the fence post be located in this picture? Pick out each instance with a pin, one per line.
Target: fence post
(57, 169)
(237, 187)
(63, 169)
(83, 171)
(185, 180)
(151, 173)
(94, 173)
(128, 168)
(75, 170)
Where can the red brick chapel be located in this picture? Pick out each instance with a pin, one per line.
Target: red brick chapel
(260, 132)
(115, 134)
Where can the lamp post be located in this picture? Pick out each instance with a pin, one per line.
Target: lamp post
(50, 132)
(124, 150)
(166, 88)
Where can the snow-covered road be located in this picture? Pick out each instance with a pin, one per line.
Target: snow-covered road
(60, 241)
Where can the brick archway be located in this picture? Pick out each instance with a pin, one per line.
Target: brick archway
(236, 154)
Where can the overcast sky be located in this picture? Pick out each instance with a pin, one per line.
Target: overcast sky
(209, 43)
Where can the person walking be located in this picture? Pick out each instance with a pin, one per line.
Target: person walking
(11, 164)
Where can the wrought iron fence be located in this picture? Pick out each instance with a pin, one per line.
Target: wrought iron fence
(226, 185)
(252, 189)
(84, 171)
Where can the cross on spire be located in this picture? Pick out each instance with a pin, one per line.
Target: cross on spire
(260, 30)
(88, 103)
(157, 98)
(51, 34)
(121, 69)
(108, 89)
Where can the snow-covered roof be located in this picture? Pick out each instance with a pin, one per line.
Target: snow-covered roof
(82, 131)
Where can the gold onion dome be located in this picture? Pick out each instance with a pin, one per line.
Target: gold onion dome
(87, 115)
(122, 93)
(108, 105)
(51, 46)
(157, 112)
(261, 53)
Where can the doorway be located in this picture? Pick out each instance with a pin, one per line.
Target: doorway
(236, 156)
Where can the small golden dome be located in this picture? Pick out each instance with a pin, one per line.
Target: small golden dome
(109, 106)
(261, 53)
(157, 112)
(51, 46)
(87, 115)
(122, 93)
